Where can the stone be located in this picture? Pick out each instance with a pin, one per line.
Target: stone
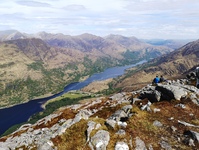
(121, 115)
(121, 132)
(187, 124)
(157, 123)
(150, 147)
(127, 109)
(191, 142)
(122, 124)
(111, 123)
(121, 146)
(192, 134)
(165, 145)
(91, 126)
(173, 128)
(152, 95)
(140, 145)
(46, 146)
(181, 106)
(155, 110)
(135, 100)
(100, 140)
(169, 92)
(117, 96)
(147, 106)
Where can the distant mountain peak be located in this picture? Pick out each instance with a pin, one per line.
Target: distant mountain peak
(11, 35)
(15, 35)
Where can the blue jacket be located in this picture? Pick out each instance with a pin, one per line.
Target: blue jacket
(156, 80)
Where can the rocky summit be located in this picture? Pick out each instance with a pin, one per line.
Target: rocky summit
(165, 116)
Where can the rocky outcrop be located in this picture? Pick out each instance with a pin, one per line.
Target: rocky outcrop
(155, 117)
(170, 91)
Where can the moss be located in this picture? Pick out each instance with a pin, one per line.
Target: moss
(74, 137)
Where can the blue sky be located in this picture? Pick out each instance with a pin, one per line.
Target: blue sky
(165, 19)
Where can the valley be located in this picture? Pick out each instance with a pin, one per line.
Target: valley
(125, 108)
(40, 64)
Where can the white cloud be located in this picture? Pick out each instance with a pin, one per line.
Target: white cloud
(140, 18)
(33, 3)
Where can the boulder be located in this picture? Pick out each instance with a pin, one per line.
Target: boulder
(100, 140)
(151, 94)
(140, 145)
(119, 116)
(192, 134)
(121, 146)
(91, 126)
(169, 92)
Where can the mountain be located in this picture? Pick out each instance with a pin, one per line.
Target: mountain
(173, 65)
(31, 68)
(161, 117)
(174, 44)
(11, 35)
(113, 45)
(43, 63)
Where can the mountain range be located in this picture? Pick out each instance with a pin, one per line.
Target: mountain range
(33, 65)
(139, 116)
(176, 64)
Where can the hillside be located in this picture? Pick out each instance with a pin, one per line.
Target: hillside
(176, 64)
(42, 64)
(155, 117)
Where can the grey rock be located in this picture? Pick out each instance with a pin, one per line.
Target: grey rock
(127, 109)
(100, 140)
(187, 124)
(193, 135)
(111, 123)
(155, 110)
(196, 101)
(91, 126)
(83, 114)
(165, 145)
(147, 106)
(140, 145)
(36, 132)
(117, 96)
(150, 147)
(119, 116)
(64, 126)
(152, 95)
(121, 146)
(157, 123)
(121, 132)
(181, 106)
(122, 124)
(171, 118)
(169, 92)
(173, 128)
(191, 142)
(135, 100)
(46, 146)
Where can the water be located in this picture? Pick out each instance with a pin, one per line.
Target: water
(22, 112)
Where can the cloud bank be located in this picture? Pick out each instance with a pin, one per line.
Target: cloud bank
(168, 19)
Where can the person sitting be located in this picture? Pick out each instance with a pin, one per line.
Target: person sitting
(156, 80)
(162, 79)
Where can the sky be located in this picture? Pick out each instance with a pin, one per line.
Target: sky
(144, 19)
